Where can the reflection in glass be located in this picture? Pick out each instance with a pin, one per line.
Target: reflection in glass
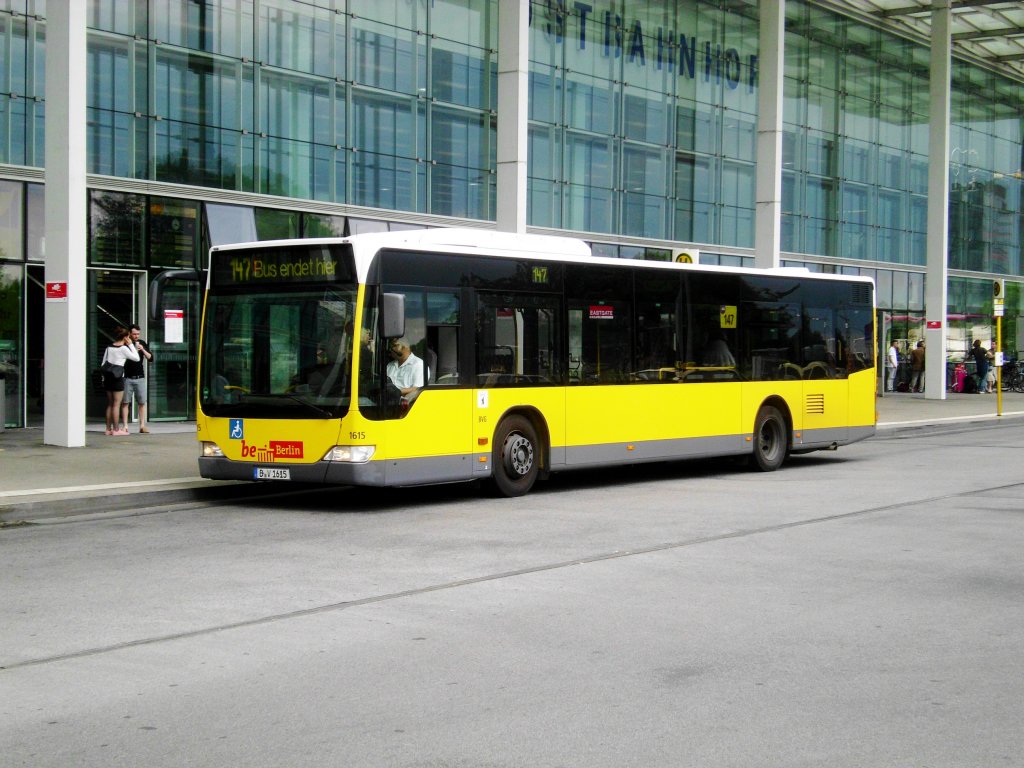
(11, 384)
(174, 235)
(11, 227)
(116, 228)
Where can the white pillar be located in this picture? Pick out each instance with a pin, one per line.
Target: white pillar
(513, 95)
(65, 373)
(937, 275)
(768, 183)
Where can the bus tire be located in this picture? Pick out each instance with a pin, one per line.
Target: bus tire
(771, 442)
(516, 459)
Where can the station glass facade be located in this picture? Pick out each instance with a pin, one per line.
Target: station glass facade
(642, 124)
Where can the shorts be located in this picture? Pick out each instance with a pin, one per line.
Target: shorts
(112, 384)
(136, 388)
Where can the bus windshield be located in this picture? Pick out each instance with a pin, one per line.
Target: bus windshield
(279, 354)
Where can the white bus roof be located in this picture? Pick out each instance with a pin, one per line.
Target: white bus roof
(463, 240)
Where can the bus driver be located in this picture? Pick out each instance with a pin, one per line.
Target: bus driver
(405, 369)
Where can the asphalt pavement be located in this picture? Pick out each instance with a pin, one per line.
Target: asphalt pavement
(40, 482)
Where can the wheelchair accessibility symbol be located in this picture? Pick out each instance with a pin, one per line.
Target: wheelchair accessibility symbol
(236, 432)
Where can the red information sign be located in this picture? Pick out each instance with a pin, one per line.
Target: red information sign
(602, 312)
(56, 291)
(934, 325)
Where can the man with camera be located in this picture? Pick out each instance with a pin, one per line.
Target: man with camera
(135, 381)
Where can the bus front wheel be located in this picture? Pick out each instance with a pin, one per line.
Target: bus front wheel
(516, 457)
(771, 443)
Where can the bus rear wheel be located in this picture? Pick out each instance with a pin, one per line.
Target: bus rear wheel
(516, 459)
(771, 443)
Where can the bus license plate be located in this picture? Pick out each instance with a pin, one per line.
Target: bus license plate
(271, 473)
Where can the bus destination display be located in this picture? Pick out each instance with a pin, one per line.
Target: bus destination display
(285, 266)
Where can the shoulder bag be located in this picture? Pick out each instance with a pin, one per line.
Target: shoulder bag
(111, 369)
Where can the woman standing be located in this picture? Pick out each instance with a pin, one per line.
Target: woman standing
(120, 349)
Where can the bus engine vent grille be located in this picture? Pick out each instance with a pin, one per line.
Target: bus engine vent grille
(815, 404)
(860, 294)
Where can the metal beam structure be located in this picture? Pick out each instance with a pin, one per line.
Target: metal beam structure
(986, 32)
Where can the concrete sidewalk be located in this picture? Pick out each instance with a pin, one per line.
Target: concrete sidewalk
(40, 481)
(109, 473)
(899, 410)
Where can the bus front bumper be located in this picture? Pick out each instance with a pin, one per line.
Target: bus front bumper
(332, 472)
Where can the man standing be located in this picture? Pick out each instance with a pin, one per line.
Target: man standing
(891, 365)
(135, 382)
(917, 366)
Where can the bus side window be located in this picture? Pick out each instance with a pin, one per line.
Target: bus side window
(859, 325)
(396, 376)
(517, 340)
(710, 331)
(657, 341)
(773, 330)
(600, 305)
(441, 354)
(819, 343)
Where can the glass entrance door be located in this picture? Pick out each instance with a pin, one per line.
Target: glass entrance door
(174, 339)
(118, 297)
(11, 387)
(114, 300)
(35, 328)
(884, 325)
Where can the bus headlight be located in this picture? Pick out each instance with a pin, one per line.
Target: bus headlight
(351, 454)
(211, 451)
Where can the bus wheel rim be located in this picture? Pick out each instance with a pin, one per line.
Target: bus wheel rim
(770, 439)
(518, 454)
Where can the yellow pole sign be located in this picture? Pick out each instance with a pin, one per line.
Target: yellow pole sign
(998, 362)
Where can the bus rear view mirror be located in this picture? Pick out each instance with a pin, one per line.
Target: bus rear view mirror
(156, 288)
(393, 316)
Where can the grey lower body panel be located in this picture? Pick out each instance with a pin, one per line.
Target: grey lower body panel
(434, 469)
(819, 439)
(461, 468)
(856, 434)
(608, 454)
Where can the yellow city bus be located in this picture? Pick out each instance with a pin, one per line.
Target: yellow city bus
(448, 355)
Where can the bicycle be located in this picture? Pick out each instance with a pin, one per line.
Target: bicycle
(1012, 377)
